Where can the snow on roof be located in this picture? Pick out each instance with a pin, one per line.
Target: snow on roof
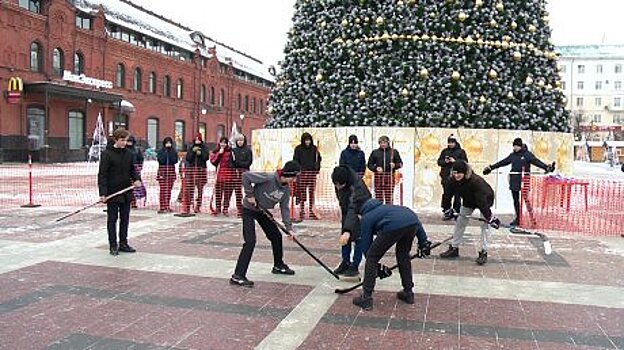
(591, 51)
(134, 17)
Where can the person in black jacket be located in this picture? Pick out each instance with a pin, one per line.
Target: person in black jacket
(520, 160)
(196, 175)
(309, 158)
(116, 173)
(352, 193)
(475, 193)
(240, 162)
(353, 156)
(167, 159)
(384, 161)
(448, 156)
(137, 162)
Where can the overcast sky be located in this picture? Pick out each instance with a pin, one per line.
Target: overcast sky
(259, 27)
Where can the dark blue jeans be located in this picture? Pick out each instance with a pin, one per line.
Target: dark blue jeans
(357, 254)
(121, 211)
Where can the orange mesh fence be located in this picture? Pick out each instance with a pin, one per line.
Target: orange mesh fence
(580, 206)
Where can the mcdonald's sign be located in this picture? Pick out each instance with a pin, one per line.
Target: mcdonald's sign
(14, 90)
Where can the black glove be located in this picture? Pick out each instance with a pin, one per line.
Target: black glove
(450, 214)
(494, 222)
(487, 170)
(383, 271)
(425, 250)
(550, 168)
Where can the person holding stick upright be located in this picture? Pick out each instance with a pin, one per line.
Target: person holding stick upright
(384, 161)
(117, 172)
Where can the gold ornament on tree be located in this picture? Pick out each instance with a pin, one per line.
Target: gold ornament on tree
(532, 28)
(510, 95)
(541, 83)
(478, 3)
(500, 7)
(493, 23)
(517, 56)
(319, 77)
(492, 74)
(404, 92)
(514, 25)
(379, 21)
(362, 94)
(424, 73)
(528, 81)
(456, 76)
(345, 23)
(323, 24)
(462, 16)
(482, 99)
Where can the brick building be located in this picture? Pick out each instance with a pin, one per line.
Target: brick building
(63, 63)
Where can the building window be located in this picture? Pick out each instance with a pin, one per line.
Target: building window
(178, 134)
(618, 118)
(261, 107)
(120, 121)
(180, 89)
(167, 86)
(579, 85)
(212, 95)
(36, 57)
(222, 98)
(152, 133)
(78, 63)
(202, 94)
(36, 125)
(599, 68)
(618, 68)
(138, 79)
(239, 102)
(58, 62)
(563, 85)
(617, 102)
(76, 129)
(220, 131)
(83, 21)
(151, 84)
(253, 105)
(201, 128)
(596, 118)
(581, 68)
(579, 102)
(617, 85)
(599, 85)
(120, 76)
(246, 103)
(598, 101)
(31, 5)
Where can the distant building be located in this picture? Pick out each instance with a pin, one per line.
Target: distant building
(64, 62)
(592, 80)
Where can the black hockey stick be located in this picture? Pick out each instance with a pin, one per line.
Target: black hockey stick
(94, 204)
(283, 229)
(393, 267)
(520, 231)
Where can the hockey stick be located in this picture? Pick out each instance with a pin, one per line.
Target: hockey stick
(393, 267)
(519, 231)
(285, 231)
(94, 204)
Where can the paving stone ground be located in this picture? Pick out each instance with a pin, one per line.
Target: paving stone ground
(60, 289)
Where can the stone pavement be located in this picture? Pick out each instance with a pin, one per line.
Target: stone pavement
(60, 289)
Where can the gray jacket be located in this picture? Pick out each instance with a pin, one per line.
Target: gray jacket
(268, 191)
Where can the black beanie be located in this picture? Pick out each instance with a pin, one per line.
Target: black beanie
(340, 175)
(291, 169)
(353, 139)
(517, 142)
(460, 167)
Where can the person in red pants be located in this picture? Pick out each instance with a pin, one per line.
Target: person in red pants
(167, 159)
(383, 162)
(240, 162)
(220, 158)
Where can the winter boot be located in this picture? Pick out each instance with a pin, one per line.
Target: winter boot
(406, 296)
(124, 247)
(352, 271)
(514, 223)
(241, 281)
(482, 259)
(114, 250)
(341, 268)
(452, 252)
(365, 301)
(282, 270)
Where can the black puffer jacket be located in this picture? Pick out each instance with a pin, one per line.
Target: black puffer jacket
(351, 198)
(382, 158)
(520, 162)
(474, 191)
(307, 156)
(241, 156)
(116, 173)
(197, 160)
(456, 152)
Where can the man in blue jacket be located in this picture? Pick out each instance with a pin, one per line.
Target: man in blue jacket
(353, 156)
(390, 224)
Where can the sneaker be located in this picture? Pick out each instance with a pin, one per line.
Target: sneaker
(124, 247)
(482, 259)
(240, 281)
(342, 268)
(114, 250)
(352, 271)
(406, 296)
(514, 223)
(364, 301)
(452, 252)
(282, 270)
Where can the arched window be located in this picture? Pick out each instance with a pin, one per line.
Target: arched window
(31, 5)
(36, 57)
(180, 89)
(78, 63)
(152, 132)
(178, 134)
(167, 86)
(138, 79)
(202, 94)
(212, 95)
(76, 129)
(222, 98)
(120, 77)
(152, 83)
(58, 62)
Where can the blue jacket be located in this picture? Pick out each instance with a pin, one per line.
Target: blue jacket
(354, 159)
(380, 219)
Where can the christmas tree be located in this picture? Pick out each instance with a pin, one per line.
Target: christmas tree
(435, 63)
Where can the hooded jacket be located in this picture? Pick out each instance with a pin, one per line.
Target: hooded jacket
(242, 157)
(307, 156)
(382, 158)
(351, 198)
(354, 159)
(167, 159)
(137, 155)
(197, 160)
(379, 219)
(520, 162)
(474, 191)
(457, 153)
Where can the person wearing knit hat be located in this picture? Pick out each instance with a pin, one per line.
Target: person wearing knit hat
(353, 156)
(196, 175)
(264, 191)
(241, 160)
(475, 193)
(520, 159)
(447, 158)
(383, 162)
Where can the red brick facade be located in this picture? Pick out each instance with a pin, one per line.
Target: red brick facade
(54, 27)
